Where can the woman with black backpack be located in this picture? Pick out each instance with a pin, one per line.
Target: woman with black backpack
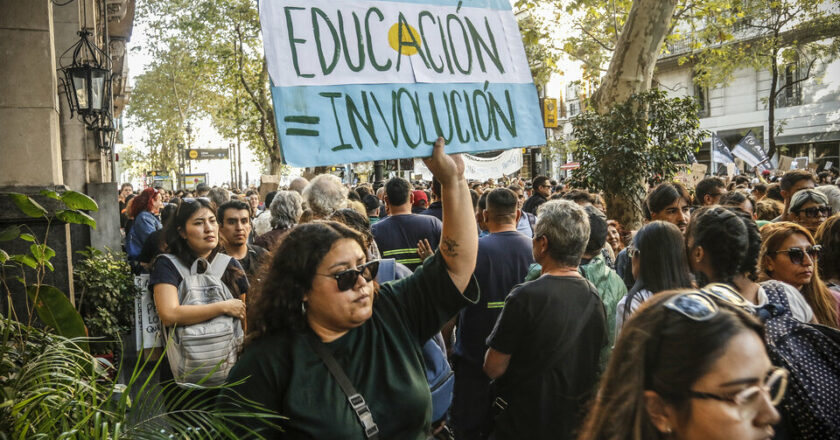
(724, 247)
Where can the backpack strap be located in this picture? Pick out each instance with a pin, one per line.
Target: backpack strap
(532, 220)
(776, 294)
(219, 265)
(182, 270)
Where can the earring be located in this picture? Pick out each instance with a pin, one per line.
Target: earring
(303, 307)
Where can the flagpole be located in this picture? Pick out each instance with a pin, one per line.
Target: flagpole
(712, 168)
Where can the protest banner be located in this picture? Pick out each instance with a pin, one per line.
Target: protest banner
(147, 331)
(358, 80)
(785, 163)
(799, 163)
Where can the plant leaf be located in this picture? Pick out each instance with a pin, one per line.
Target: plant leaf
(75, 217)
(55, 311)
(50, 193)
(10, 233)
(25, 259)
(77, 200)
(4, 257)
(28, 237)
(28, 206)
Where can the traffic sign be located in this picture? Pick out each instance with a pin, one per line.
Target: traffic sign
(207, 153)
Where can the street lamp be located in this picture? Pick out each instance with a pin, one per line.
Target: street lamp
(104, 133)
(87, 80)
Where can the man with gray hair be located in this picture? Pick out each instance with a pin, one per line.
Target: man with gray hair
(218, 196)
(286, 209)
(324, 195)
(544, 349)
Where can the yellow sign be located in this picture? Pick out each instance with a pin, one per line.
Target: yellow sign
(193, 154)
(550, 113)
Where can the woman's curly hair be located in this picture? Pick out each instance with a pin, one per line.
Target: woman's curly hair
(276, 305)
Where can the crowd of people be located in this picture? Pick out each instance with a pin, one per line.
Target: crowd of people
(716, 319)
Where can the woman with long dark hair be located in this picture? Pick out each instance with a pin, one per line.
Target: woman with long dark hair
(658, 263)
(686, 367)
(192, 241)
(320, 310)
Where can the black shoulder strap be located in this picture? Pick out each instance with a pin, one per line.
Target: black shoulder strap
(357, 402)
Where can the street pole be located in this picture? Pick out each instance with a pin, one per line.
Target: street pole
(189, 143)
(232, 166)
(238, 145)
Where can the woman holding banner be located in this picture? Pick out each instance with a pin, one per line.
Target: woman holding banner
(335, 352)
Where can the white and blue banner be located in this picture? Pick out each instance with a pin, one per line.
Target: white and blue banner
(358, 80)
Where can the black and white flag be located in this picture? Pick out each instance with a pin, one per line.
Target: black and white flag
(751, 152)
(720, 152)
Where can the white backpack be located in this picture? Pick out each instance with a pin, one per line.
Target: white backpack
(194, 351)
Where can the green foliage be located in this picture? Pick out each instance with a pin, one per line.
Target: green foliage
(639, 141)
(56, 312)
(51, 388)
(105, 293)
(51, 305)
(541, 54)
(209, 63)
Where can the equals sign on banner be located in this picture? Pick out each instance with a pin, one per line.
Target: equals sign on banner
(308, 120)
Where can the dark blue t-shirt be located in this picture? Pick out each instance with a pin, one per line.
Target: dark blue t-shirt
(397, 236)
(502, 263)
(164, 272)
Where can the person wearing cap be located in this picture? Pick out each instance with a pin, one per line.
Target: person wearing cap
(809, 208)
(372, 207)
(420, 201)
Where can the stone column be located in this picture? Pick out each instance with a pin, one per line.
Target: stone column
(29, 120)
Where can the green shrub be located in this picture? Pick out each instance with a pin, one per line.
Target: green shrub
(105, 294)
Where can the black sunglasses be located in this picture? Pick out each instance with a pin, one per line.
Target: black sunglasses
(814, 212)
(797, 254)
(346, 279)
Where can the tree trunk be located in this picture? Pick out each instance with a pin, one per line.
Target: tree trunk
(634, 59)
(631, 71)
(627, 212)
(275, 162)
(771, 108)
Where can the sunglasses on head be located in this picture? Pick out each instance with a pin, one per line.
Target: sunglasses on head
(346, 279)
(815, 211)
(797, 254)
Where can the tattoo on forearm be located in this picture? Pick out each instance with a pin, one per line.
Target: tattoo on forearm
(448, 247)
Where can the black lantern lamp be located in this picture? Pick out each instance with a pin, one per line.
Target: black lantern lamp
(87, 80)
(105, 132)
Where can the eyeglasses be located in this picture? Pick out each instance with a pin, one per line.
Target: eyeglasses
(633, 251)
(814, 211)
(346, 279)
(797, 254)
(749, 400)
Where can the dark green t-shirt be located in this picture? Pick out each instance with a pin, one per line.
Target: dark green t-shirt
(382, 358)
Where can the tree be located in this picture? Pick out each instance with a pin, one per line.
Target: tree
(785, 37)
(639, 141)
(228, 71)
(541, 54)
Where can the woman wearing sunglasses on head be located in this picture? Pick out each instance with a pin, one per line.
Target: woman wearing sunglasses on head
(686, 368)
(809, 208)
(320, 322)
(789, 254)
(723, 246)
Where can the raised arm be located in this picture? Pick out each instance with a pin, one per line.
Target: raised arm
(459, 238)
